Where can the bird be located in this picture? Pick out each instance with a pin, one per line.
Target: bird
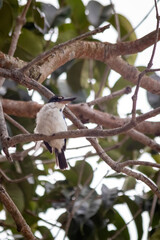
(50, 120)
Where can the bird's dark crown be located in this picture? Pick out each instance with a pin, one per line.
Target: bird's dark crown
(56, 99)
(61, 99)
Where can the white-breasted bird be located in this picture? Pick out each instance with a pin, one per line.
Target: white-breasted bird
(50, 120)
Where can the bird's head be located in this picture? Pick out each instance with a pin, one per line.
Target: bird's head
(61, 101)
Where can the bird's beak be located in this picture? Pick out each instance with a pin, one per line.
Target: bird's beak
(67, 99)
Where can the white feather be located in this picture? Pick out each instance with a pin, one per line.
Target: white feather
(49, 121)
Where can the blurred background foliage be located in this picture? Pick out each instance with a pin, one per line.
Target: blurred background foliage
(95, 215)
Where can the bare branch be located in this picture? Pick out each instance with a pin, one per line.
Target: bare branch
(14, 180)
(44, 55)
(136, 162)
(126, 90)
(81, 133)
(20, 21)
(16, 124)
(24, 80)
(152, 211)
(4, 134)
(30, 109)
(16, 215)
(127, 171)
(135, 96)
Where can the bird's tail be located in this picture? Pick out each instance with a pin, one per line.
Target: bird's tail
(60, 159)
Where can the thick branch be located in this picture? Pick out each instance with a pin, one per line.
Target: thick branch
(105, 52)
(101, 52)
(30, 109)
(84, 133)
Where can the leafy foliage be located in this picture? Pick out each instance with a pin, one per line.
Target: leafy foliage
(95, 215)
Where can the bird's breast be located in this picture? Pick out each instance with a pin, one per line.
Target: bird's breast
(49, 121)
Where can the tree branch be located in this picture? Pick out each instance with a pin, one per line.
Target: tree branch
(20, 21)
(136, 162)
(45, 55)
(4, 134)
(30, 109)
(16, 215)
(14, 180)
(16, 124)
(119, 93)
(105, 52)
(135, 95)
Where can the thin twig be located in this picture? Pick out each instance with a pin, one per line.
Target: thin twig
(20, 21)
(136, 162)
(44, 55)
(78, 147)
(14, 180)
(42, 219)
(122, 229)
(150, 63)
(125, 90)
(153, 70)
(16, 124)
(128, 34)
(155, 198)
(117, 22)
(4, 137)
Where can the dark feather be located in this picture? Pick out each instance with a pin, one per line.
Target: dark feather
(60, 159)
(64, 147)
(48, 146)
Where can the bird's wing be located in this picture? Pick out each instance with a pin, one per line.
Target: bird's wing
(48, 146)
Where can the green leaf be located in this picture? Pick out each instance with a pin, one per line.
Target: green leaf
(125, 29)
(6, 22)
(149, 171)
(156, 157)
(66, 32)
(46, 233)
(109, 142)
(39, 20)
(78, 15)
(119, 223)
(155, 235)
(131, 149)
(16, 195)
(98, 13)
(1, 3)
(133, 207)
(72, 176)
(29, 45)
(129, 184)
(121, 83)
(76, 70)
